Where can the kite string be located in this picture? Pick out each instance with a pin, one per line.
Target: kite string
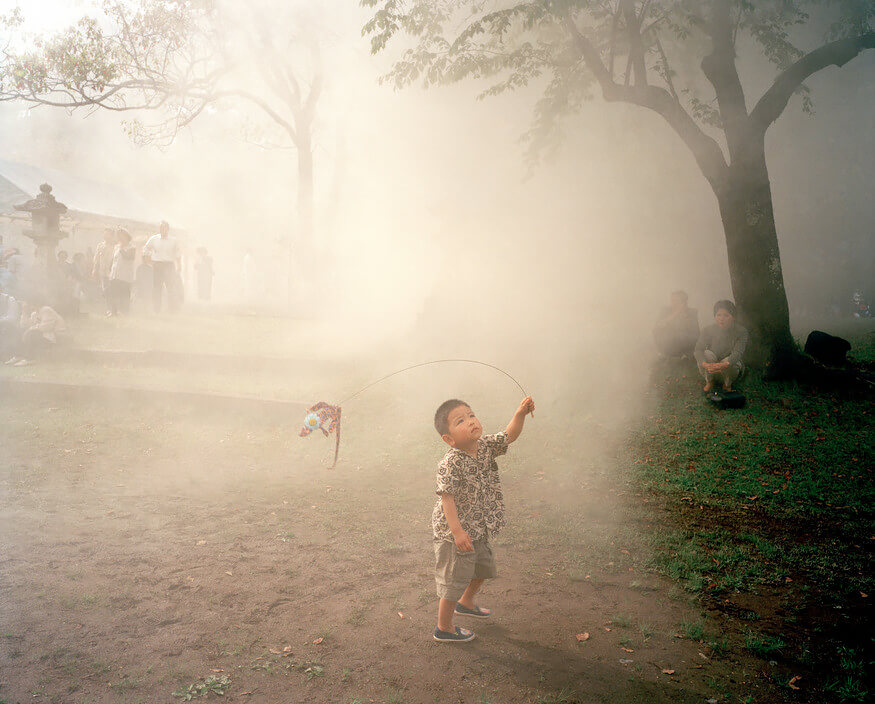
(434, 361)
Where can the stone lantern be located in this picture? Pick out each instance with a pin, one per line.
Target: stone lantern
(46, 278)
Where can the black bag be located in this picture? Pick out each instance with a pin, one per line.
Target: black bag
(827, 349)
(727, 399)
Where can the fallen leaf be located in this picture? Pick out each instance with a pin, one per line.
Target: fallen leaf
(400, 615)
(864, 595)
(625, 552)
(318, 640)
(582, 637)
(275, 651)
(201, 542)
(628, 650)
(287, 651)
(668, 672)
(606, 628)
(228, 573)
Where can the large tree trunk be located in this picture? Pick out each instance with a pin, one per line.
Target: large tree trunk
(755, 271)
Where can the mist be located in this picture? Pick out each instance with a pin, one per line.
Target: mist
(437, 241)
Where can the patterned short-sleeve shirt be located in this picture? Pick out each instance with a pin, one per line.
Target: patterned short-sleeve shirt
(475, 487)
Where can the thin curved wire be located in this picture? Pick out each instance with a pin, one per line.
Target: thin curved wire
(434, 361)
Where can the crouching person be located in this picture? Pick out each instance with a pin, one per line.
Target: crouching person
(41, 327)
(720, 349)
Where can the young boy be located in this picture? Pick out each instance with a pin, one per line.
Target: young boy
(469, 511)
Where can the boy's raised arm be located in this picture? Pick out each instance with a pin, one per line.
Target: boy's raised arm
(515, 427)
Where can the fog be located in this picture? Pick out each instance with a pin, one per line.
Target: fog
(435, 239)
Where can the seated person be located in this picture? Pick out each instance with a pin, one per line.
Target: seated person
(677, 328)
(720, 349)
(41, 328)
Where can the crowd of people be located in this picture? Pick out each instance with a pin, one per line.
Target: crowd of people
(718, 348)
(111, 274)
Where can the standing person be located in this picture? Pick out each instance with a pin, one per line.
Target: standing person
(470, 510)
(102, 264)
(162, 251)
(203, 265)
(721, 346)
(121, 274)
(677, 328)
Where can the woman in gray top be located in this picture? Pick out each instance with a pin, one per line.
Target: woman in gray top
(720, 349)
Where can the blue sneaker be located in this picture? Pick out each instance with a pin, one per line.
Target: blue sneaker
(462, 635)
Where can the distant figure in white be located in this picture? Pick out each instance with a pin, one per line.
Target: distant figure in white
(162, 252)
(247, 277)
(102, 264)
(121, 274)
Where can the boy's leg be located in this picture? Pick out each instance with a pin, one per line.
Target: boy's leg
(453, 570)
(446, 607)
(467, 599)
(484, 568)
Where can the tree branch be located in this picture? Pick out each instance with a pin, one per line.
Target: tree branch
(636, 48)
(719, 68)
(705, 150)
(775, 99)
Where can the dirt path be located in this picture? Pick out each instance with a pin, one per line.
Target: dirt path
(141, 553)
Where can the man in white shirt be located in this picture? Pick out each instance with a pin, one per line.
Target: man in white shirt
(162, 251)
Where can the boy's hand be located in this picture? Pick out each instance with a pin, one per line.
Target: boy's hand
(463, 541)
(526, 406)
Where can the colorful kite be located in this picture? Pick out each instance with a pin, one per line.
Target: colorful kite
(325, 417)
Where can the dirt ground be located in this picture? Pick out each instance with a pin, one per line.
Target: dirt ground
(142, 551)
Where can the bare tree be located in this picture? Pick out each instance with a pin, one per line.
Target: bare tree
(173, 59)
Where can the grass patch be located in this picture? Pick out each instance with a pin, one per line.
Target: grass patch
(621, 621)
(563, 696)
(761, 644)
(694, 630)
(790, 451)
(718, 647)
(847, 689)
(776, 502)
(716, 560)
(211, 685)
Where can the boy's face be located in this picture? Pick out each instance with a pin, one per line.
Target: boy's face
(464, 429)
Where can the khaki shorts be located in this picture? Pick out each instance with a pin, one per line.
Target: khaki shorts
(455, 569)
